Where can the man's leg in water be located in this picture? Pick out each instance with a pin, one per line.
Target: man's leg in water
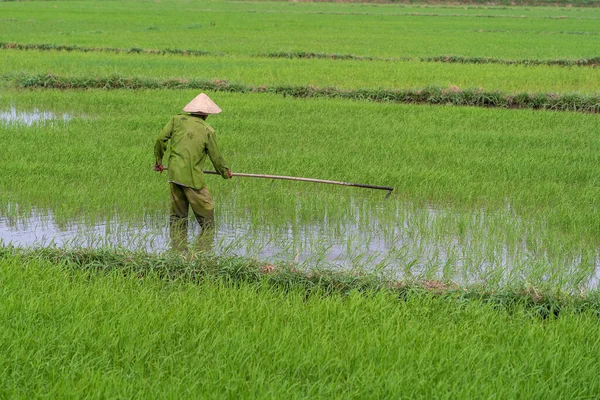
(203, 207)
(178, 224)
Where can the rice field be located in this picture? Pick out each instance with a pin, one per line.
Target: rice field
(486, 255)
(343, 74)
(249, 27)
(77, 333)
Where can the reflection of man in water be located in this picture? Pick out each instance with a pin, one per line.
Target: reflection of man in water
(192, 139)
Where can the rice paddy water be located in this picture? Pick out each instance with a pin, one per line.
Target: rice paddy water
(402, 240)
(13, 116)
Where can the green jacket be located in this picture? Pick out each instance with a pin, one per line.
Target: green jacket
(192, 139)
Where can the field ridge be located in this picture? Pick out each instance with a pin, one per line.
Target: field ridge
(539, 3)
(452, 59)
(418, 14)
(543, 302)
(427, 95)
(591, 61)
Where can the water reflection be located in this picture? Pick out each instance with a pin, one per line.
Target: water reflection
(12, 116)
(405, 242)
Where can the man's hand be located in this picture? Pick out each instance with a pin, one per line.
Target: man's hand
(229, 174)
(159, 168)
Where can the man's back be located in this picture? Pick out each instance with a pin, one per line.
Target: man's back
(192, 139)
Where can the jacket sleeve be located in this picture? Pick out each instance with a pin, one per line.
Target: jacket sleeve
(161, 143)
(215, 155)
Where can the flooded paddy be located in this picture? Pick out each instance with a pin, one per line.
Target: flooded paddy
(398, 239)
(93, 185)
(29, 118)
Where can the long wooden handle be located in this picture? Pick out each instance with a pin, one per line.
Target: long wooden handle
(296, 178)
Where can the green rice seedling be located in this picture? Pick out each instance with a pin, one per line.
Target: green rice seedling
(588, 61)
(238, 72)
(75, 326)
(251, 28)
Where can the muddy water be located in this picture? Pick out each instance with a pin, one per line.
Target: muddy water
(12, 116)
(410, 244)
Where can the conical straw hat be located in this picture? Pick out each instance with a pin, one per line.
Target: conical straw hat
(202, 104)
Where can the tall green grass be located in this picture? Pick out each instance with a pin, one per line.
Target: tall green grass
(512, 3)
(343, 74)
(251, 28)
(588, 61)
(70, 333)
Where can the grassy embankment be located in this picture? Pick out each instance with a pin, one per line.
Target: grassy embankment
(78, 329)
(453, 95)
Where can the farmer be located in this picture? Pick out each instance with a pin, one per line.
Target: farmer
(192, 139)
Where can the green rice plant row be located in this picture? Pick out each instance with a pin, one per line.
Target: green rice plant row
(342, 74)
(245, 28)
(592, 61)
(84, 49)
(70, 332)
(544, 302)
(589, 61)
(535, 3)
(427, 95)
